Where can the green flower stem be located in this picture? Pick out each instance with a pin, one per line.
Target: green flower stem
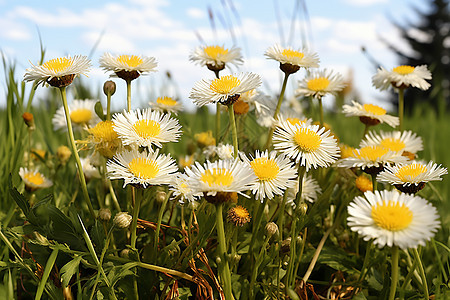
(441, 266)
(401, 105)
(128, 95)
(218, 122)
(108, 106)
(366, 129)
(374, 181)
(259, 260)
(137, 206)
(158, 224)
(113, 195)
(320, 111)
(277, 109)
(280, 219)
(364, 268)
(224, 268)
(394, 273)
(302, 249)
(29, 147)
(48, 268)
(422, 273)
(75, 152)
(233, 129)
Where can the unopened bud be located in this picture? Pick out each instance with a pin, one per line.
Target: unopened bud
(271, 229)
(125, 253)
(122, 220)
(303, 208)
(161, 196)
(109, 87)
(28, 119)
(63, 153)
(104, 214)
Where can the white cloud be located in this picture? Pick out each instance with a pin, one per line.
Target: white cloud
(365, 2)
(196, 13)
(109, 42)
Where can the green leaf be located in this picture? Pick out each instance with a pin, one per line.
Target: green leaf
(99, 111)
(69, 269)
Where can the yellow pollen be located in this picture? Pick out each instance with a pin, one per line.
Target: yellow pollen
(264, 168)
(371, 153)
(224, 84)
(58, 64)
(364, 184)
(318, 84)
(130, 60)
(104, 132)
(147, 128)
(409, 172)
(215, 51)
(293, 54)
(346, 151)
(240, 212)
(166, 101)
(393, 144)
(307, 140)
(80, 116)
(35, 178)
(294, 121)
(217, 176)
(375, 109)
(392, 216)
(143, 168)
(403, 70)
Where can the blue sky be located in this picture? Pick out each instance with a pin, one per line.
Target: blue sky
(169, 30)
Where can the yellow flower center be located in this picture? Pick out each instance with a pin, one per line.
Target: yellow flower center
(147, 128)
(34, 178)
(403, 70)
(104, 131)
(215, 51)
(364, 184)
(217, 176)
(347, 151)
(371, 153)
(80, 116)
(393, 144)
(375, 109)
(241, 107)
(264, 168)
(307, 140)
(166, 101)
(224, 84)
(392, 216)
(130, 60)
(58, 64)
(143, 168)
(294, 121)
(293, 54)
(409, 172)
(318, 84)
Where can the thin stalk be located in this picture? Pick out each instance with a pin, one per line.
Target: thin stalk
(394, 273)
(233, 129)
(422, 273)
(158, 224)
(108, 106)
(366, 130)
(75, 153)
(48, 268)
(374, 181)
(29, 148)
(217, 114)
(401, 104)
(364, 270)
(259, 260)
(137, 206)
(222, 248)
(128, 95)
(441, 266)
(113, 195)
(281, 214)
(320, 111)
(277, 109)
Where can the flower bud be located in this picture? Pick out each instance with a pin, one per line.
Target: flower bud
(122, 220)
(160, 196)
(271, 229)
(63, 153)
(125, 253)
(28, 119)
(104, 214)
(109, 87)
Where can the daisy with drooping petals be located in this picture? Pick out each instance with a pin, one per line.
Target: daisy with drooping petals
(34, 180)
(371, 159)
(392, 219)
(146, 127)
(274, 174)
(370, 114)
(58, 72)
(166, 105)
(320, 83)
(405, 142)
(402, 77)
(411, 177)
(128, 67)
(216, 57)
(142, 168)
(181, 189)
(225, 89)
(309, 145)
(221, 176)
(105, 139)
(81, 113)
(292, 60)
(310, 191)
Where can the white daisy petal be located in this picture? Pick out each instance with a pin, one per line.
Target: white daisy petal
(167, 105)
(310, 191)
(413, 172)
(320, 83)
(399, 141)
(82, 114)
(216, 57)
(371, 156)
(129, 63)
(402, 77)
(34, 180)
(374, 113)
(301, 57)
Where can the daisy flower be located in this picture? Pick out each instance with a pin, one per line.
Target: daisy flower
(167, 105)
(105, 139)
(89, 170)
(225, 89)
(238, 215)
(320, 83)
(393, 219)
(216, 57)
(181, 189)
(142, 168)
(402, 77)
(224, 151)
(58, 72)
(81, 112)
(310, 191)
(274, 174)
(146, 127)
(405, 142)
(292, 60)
(205, 139)
(221, 176)
(309, 145)
(128, 67)
(371, 159)
(370, 114)
(411, 177)
(34, 180)
(293, 119)
(249, 101)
